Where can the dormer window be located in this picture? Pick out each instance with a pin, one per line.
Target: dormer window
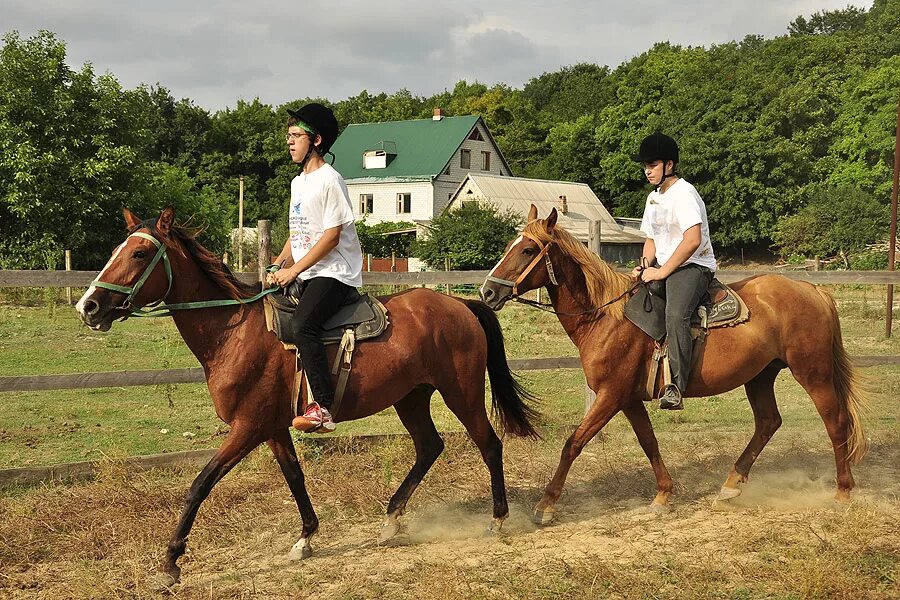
(380, 156)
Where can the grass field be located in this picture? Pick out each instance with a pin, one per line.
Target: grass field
(42, 428)
(783, 539)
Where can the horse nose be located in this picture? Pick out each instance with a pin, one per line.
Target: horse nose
(91, 308)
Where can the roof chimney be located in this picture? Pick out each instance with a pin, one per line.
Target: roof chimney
(438, 114)
(563, 205)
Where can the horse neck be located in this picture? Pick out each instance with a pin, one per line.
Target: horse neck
(206, 331)
(571, 296)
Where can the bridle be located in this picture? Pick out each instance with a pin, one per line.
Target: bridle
(544, 253)
(148, 310)
(545, 248)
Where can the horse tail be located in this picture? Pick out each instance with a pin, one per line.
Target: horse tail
(847, 386)
(509, 396)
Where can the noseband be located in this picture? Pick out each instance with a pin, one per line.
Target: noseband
(132, 291)
(545, 248)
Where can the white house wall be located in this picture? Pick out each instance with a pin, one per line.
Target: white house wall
(385, 201)
(446, 183)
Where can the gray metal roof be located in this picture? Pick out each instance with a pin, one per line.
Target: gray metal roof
(519, 193)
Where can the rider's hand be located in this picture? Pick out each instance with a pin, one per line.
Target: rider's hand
(283, 277)
(636, 273)
(652, 274)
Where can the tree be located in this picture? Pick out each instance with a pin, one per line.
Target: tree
(473, 236)
(833, 220)
(375, 241)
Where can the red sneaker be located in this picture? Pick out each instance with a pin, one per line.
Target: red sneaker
(316, 419)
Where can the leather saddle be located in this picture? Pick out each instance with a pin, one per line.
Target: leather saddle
(721, 307)
(360, 312)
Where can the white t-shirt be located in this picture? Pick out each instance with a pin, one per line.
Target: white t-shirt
(667, 216)
(320, 201)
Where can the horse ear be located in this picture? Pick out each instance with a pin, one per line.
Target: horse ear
(131, 220)
(532, 214)
(551, 220)
(166, 220)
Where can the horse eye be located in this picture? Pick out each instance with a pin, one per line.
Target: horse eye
(528, 251)
(140, 254)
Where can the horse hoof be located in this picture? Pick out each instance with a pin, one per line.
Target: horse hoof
(164, 581)
(301, 550)
(493, 530)
(543, 516)
(660, 509)
(389, 529)
(842, 496)
(728, 493)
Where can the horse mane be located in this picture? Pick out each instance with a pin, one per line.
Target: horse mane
(211, 264)
(602, 281)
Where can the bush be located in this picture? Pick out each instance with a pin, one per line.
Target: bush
(473, 236)
(374, 240)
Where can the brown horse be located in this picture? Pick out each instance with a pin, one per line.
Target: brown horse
(792, 324)
(435, 342)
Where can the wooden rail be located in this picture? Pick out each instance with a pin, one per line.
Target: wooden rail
(74, 381)
(84, 278)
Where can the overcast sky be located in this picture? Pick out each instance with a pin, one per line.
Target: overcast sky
(216, 53)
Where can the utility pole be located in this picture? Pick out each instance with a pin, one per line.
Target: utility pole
(892, 238)
(240, 264)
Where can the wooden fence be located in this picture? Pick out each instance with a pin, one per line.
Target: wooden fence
(30, 475)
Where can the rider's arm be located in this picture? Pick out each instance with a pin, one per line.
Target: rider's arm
(324, 245)
(690, 241)
(648, 255)
(284, 257)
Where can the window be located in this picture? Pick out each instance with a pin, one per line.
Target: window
(465, 159)
(476, 136)
(404, 203)
(365, 204)
(485, 160)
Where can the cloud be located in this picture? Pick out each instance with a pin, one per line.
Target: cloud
(218, 52)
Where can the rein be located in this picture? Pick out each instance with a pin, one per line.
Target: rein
(152, 309)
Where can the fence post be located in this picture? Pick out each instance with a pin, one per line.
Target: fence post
(589, 398)
(369, 263)
(240, 252)
(594, 237)
(264, 252)
(69, 268)
(447, 270)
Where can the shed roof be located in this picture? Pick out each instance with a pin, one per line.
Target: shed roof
(519, 193)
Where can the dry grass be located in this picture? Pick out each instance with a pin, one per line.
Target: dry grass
(784, 538)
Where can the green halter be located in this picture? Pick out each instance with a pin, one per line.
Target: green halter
(166, 310)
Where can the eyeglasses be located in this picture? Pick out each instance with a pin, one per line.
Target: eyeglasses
(294, 136)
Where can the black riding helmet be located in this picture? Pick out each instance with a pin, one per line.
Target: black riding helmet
(657, 146)
(320, 120)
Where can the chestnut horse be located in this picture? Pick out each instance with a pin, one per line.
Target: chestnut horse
(434, 342)
(792, 324)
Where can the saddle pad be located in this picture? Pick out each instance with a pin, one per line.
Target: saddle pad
(648, 311)
(367, 316)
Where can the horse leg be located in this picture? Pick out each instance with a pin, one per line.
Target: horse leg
(601, 412)
(282, 447)
(414, 411)
(837, 424)
(469, 409)
(761, 394)
(637, 415)
(240, 441)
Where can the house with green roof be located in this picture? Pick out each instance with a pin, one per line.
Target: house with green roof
(409, 170)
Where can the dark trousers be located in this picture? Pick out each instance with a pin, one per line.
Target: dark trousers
(685, 289)
(321, 299)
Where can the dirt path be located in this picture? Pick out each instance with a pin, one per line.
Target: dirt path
(783, 537)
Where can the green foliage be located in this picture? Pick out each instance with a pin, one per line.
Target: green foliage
(832, 220)
(473, 237)
(374, 240)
